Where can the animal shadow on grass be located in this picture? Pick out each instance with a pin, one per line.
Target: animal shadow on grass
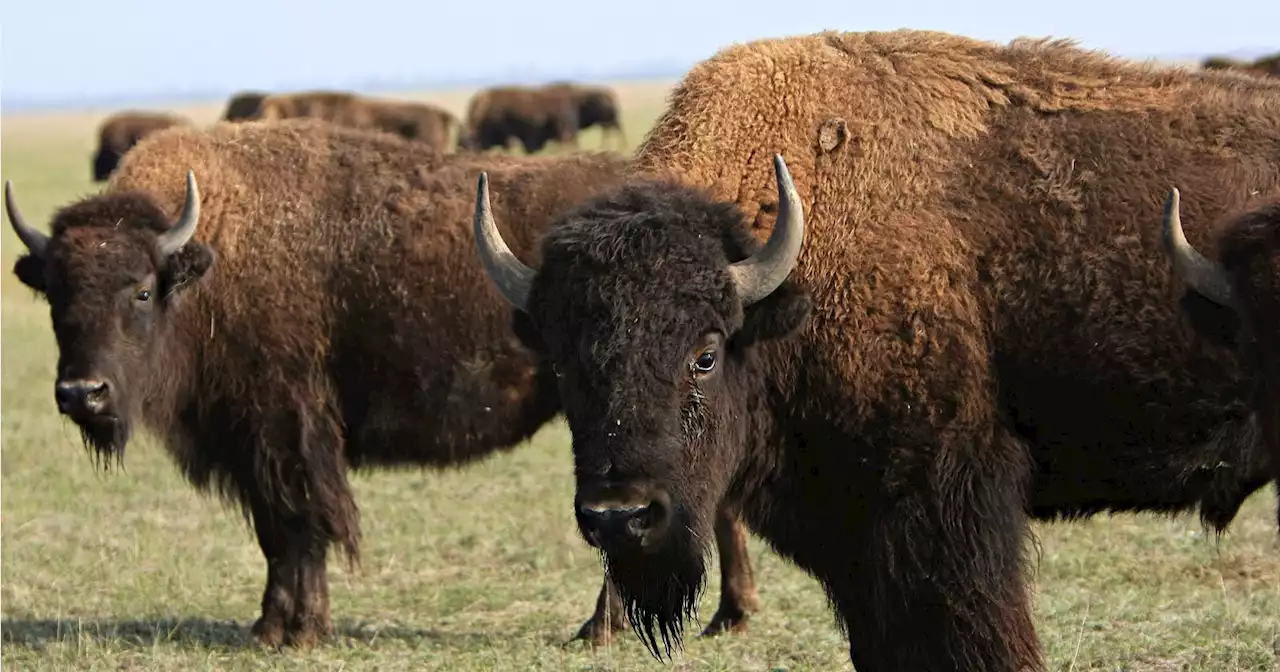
(199, 633)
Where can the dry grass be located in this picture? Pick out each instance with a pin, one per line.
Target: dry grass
(481, 569)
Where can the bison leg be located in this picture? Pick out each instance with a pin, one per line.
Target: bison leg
(935, 578)
(277, 599)
(608, 618)
(311, 622)
(738, 596)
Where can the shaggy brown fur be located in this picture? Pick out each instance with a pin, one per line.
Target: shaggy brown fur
(992, 333)
(243, 106)
(1267, 66)
(532, 115)
(328, 314)
(1248, 245)
(120, 132)
(597, 106)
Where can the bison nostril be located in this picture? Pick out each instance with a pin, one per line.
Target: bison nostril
(78, 396)
(619, 522)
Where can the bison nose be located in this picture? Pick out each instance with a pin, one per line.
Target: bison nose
(611, 523)
(82, 396)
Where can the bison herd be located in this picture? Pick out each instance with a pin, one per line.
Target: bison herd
(533, 116)
(884, 337)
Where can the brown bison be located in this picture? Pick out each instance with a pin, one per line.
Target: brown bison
(1263, 66)
(356, 329)
(532, 115)
(1234, 300)
(597, 106)
(960, 321)
(414, 121)
(243, 106)
(120, 132)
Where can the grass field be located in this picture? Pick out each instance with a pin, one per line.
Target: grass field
(482, 569)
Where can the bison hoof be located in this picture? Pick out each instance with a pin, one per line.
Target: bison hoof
(596, 632)
(268, 632)
(724, 622)
(306, 637)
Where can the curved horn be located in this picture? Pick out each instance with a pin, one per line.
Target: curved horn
(511, 276)
(759, 275)
(1201, 274)
(35, 241)
(172, 240)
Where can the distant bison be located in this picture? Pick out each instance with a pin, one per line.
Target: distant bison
(534, 116)
(316, 312)
(959, 321)
(243, 106)
(411, 120)
(1265, 65)
(597, 106)
(1234, 300)
(120, 132)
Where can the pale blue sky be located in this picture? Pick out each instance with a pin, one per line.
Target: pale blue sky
(72, 51)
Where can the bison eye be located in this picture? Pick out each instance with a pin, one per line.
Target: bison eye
(705, 361)
(143, 295)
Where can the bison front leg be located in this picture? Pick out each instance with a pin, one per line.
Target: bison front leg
(608, 618)
(282, 577)
(738, 596)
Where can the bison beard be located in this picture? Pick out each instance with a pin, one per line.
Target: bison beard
(660, 589)
(106, 436)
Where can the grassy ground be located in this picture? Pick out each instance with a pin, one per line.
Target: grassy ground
(481, 569)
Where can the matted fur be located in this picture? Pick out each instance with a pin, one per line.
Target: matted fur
(994, 332)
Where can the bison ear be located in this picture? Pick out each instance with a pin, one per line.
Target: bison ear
(186, 266)
(778, 315)
(1217, 324)
(30, 270)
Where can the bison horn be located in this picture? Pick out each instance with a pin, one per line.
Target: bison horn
(33, 239)
(511, 276)
(1201, 274)
(172, 240)
(759, 275)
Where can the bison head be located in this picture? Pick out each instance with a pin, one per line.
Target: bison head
(112, 272)
(649, 307)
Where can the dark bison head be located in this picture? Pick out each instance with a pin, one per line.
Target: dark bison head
(112, 271)
(649, 309)
(105, 160)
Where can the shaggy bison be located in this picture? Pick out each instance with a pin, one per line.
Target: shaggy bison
(1234, 301)
(243, 106)
(120, 132)
(309, 310)
(534, 116)
(1263, 66)
(414, 121)
(959, 320)
(597, 106)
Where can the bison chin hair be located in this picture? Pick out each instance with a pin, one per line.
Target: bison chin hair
(106, 438)
(660, 589)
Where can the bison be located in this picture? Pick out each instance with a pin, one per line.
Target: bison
(243, 106)
(414, 121)
(1234, 300)
(597, 106)
(1265, 66)
(534, 116)
(307, 310)
(960, 320)
(120, 132)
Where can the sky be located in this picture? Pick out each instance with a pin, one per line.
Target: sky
(68, 52)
